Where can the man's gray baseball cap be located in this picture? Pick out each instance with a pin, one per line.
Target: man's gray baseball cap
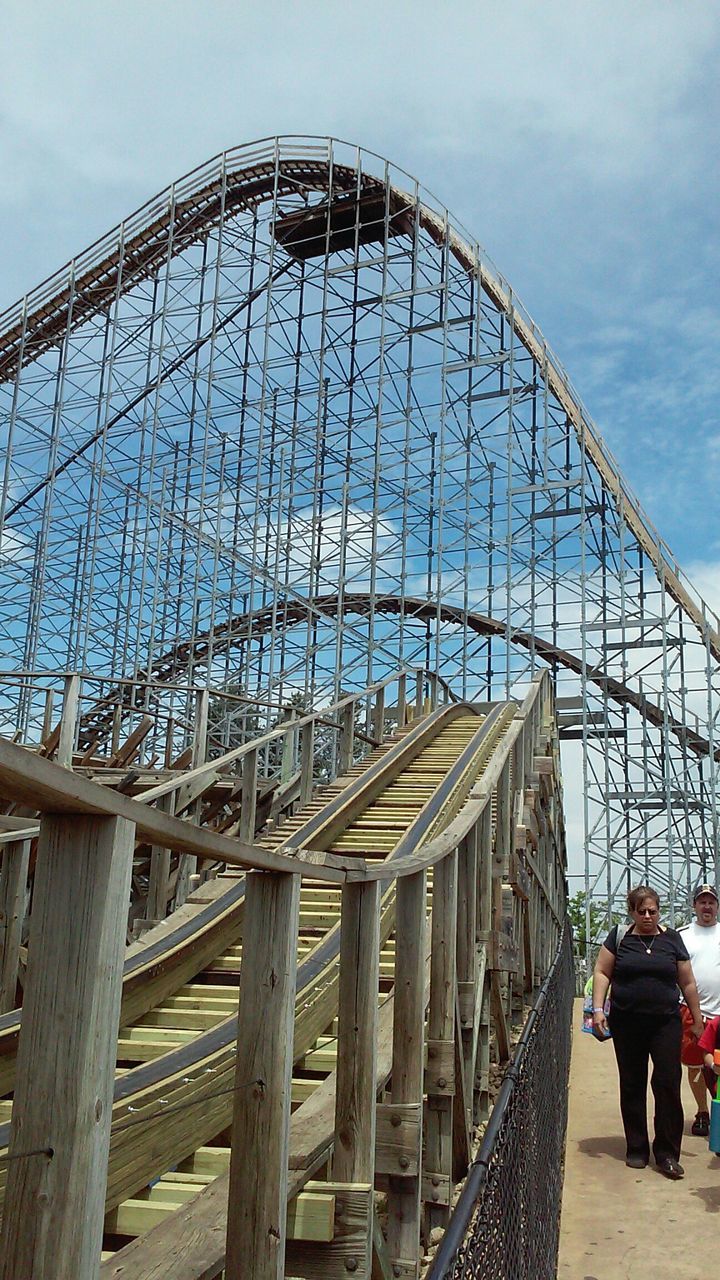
(706, 888)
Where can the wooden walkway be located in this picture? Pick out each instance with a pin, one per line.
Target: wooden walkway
(620, 1223)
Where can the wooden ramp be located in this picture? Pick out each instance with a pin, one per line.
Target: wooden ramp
(618, 1222)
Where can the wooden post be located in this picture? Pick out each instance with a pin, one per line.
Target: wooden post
(307, 759)
(354, 1154)
(116, 727)
(47, 714)
(287, 762)
(407, 1070)
(485, 924)
(188, 863)
(13, 902)
(467, 960)
(378, 719)
(401, 700)
(504, 818)
(433, 687)
(419, 693)
(248, 796)
(466, 926)
(345, 745)
(68, 722)
(159, 883)
(518, 763)
(55, 1203)
(257, 1203)
(439, 1079)
(200, 739)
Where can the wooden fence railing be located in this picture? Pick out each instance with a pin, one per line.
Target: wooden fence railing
(496, 899)
(181, 789)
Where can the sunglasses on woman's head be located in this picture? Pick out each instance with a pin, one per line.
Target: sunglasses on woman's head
(646, 911)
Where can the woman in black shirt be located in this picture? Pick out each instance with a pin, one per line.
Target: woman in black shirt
(645, 970)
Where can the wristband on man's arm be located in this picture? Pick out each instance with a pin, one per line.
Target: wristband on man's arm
(598, 1010)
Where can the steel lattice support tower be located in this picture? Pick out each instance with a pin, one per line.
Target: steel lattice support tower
(286, 426)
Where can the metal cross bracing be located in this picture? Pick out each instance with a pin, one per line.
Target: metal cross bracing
(293, 376)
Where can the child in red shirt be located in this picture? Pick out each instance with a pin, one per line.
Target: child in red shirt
(708, 1043)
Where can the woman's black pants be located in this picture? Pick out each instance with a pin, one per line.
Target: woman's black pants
(637, 1038)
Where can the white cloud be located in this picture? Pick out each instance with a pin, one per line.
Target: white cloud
(15, 548)
(705, 577)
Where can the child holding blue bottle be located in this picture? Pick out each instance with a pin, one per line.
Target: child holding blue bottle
(709, 1045)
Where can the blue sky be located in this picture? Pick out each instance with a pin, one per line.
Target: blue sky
(577, 142)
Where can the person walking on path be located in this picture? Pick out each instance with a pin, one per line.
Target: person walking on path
(645, 964)
(702, 939)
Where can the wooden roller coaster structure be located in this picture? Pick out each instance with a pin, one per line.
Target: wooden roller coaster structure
(304, 1047)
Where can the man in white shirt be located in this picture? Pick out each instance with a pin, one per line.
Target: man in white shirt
(702, 939)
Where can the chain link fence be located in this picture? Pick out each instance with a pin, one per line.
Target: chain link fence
(506, 1224)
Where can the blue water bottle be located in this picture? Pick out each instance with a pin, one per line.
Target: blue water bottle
(715, 1126)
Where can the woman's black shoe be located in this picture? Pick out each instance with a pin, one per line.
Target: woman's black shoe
(701, 1125)
(636, 1162)
(671, 1168)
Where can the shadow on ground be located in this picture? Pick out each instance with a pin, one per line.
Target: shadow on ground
(710, 1196)
(613, 1146)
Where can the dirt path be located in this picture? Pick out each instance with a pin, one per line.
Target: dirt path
(620, 1223)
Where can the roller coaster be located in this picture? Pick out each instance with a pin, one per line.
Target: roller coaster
(282, 443)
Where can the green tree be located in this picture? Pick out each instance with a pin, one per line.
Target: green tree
(231, 723)
(598, 920)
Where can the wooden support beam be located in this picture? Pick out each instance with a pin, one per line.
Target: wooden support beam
(433, 687)
(257, 1205)
(467, 959)
(188, 864)
(503, 954)
(502, 1031)
(68, 722)
(47, 714)
(116, 727)
(307, 760)
(408, 1053)
(399, 1137)
(461, 1133)
(440, 1073)
(54, 1203)
(159, 883)
(504, 825)
(200, 737)
(13, 902)
(125, 753)
(519, 876)
(467, 874)
(345, 745)
(381, 1268)
(287, 760)
(504, 846)
(354, 1152)
(378, 716)
(401, 700)
(518, 761)
(528, 942)
(248, 799)
(481, 1082)
(349, 1253)
(419, 693)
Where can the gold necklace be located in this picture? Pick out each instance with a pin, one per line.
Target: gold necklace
(649, 949)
